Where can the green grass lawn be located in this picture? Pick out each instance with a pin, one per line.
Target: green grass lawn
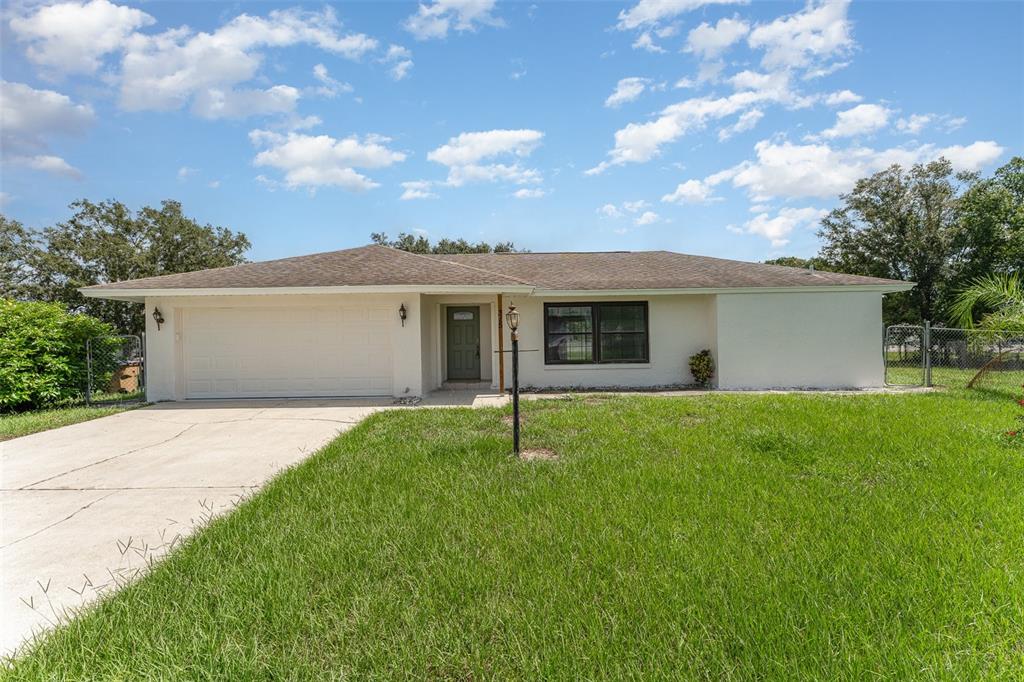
(13, 425)
(717, 537)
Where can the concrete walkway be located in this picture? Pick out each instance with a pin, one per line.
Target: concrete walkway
(83, 508)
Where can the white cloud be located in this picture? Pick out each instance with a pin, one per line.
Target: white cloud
(684, 83)
(464, 155)
(860, 120)
(641, 142)
(47, 163)
(495, 172)
(915, 123)
(184, 172)
(29, 117)
(320, 160)
(647, 218)
(635, 206)
(329, 87)
(216, 103)
(468, 148)
(972, 157)
(710, 71)
(710, 41)
(529, 193)
(842, 97)
(610, 211)
(417, 189)
(213, 184)
(954, 123)
(778, 228)
(806, 38)
(644, 41)
(400, 59)
(435, 20)
(784, 169)
(746, 121)
(690, 192)
(168, 70)
(73, 37)
(650, 12)
(627, 90)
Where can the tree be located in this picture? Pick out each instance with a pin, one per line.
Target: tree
(107, 242)
(797, 262)
(407, 242)
(17, 252)
(991, 238)
(903, 225)
(931, 226)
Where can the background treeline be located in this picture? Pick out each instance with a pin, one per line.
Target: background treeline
(928, 225)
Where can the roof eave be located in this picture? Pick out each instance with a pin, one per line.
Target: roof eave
(139, 295)
(885, 288)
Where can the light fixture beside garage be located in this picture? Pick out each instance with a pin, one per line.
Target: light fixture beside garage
(402, 313)
(158, 317)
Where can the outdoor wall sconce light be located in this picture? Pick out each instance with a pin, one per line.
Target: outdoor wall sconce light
(158, 317)
(402, 313)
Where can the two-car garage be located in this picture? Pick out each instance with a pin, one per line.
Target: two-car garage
(285, 351)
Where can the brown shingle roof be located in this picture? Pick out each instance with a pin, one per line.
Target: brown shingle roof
(649, 270)
(363, 266)
(380, 266)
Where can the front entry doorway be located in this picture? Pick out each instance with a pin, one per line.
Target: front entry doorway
(463, 333)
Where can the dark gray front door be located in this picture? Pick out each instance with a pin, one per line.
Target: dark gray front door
(464, 343)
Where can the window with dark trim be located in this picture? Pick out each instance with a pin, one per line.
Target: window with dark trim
(592, 333)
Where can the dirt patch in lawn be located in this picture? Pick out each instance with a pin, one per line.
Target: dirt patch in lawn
(538, 455)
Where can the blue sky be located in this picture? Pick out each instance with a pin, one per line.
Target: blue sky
(719, 128)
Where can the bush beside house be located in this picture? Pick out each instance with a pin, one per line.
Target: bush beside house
(702, 367)
(42, 354)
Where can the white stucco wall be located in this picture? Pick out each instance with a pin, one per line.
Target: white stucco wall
(772, 340)
(799, 340)
(164, 371)
(679, 326)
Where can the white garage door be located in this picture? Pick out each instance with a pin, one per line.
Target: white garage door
(286, 352)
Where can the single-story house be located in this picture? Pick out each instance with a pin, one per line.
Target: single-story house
(375, 321)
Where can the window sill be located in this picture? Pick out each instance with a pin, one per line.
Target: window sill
(603, 365)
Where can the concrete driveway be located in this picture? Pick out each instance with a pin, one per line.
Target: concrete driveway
(84, 507)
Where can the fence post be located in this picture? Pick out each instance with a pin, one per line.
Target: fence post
(926, 358)
(88, 371)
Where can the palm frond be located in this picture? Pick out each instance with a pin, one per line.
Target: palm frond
(1001, 293)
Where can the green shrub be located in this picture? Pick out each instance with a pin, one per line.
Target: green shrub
(42, 353)
(702, 367)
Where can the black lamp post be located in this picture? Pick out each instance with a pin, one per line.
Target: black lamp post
(512, 318)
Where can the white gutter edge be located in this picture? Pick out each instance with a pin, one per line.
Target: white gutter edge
(817, 288)
(139, 295)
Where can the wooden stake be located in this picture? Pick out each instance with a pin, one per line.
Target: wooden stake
(501, 348)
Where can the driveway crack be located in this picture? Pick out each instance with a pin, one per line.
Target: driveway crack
(60, 521)
(111, 458)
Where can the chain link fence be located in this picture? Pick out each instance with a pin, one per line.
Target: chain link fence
(115, 369)
(922, 355)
